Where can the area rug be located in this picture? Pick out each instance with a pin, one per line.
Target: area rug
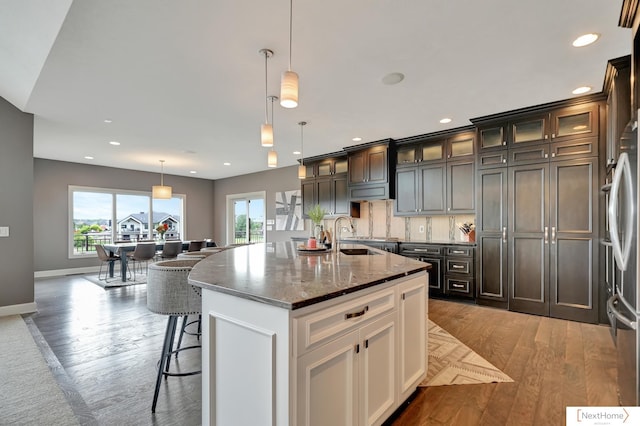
(453, 363)
(29, 393)
(116, 281)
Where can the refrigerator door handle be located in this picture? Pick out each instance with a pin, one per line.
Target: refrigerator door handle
(611, 308)
(623, 172)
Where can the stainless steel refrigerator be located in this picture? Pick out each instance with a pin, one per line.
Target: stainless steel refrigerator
(623, 306)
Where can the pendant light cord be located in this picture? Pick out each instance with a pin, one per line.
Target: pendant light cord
(290, 29)
(272, 127)
(266, 107)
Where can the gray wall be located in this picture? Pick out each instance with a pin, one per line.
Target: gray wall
(271, 181)
(16, 205)
(51, 216)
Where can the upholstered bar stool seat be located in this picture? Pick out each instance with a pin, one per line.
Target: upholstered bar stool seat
(169, 293)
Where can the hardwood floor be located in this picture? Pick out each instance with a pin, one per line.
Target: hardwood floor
(554, 364)
(108, 343)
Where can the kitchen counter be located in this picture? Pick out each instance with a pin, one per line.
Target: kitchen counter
(279, 275)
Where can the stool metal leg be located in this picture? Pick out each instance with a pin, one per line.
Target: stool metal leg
(185, 320)
(174, 325)
(166, 350)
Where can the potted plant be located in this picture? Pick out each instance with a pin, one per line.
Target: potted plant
(316, 214)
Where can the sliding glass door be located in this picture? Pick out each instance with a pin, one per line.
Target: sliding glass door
(247, 218)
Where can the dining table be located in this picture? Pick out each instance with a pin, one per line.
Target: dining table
(122, 249)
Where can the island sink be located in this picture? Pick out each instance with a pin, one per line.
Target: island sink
(357, 251)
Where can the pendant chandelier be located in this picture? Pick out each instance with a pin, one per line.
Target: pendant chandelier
(266, 130)
(289, 80)
(302, 170)
(161, 192)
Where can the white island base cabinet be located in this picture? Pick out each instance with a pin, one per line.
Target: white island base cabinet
(351, 360)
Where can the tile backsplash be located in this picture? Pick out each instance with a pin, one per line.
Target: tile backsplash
(377, 221)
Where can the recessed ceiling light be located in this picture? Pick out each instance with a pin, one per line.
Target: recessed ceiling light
(296, 153)
(581, 90)
(114, 143)
(356, 139)
(88, 157)
(108, 121)
(393, 78)
(585, 40)
(227, 164)
(445, 120)
(193, 172)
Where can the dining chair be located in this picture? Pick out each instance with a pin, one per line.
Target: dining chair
(105, 258)
(170, 250)
(144, 252)
(169, 293)
(195, 245)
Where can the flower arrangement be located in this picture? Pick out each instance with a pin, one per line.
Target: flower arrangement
(316, 214)
(162, 228)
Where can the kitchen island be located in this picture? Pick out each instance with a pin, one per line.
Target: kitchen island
(293, 338)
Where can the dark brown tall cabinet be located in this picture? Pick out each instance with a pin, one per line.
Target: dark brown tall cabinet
(538, 210)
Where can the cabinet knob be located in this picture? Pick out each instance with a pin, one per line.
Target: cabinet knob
(546, 137)
(553, 154)
(546, 156)
(504, 142)
(553, 135)
(504, 160)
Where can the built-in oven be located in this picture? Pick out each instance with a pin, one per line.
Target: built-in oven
(433, 254)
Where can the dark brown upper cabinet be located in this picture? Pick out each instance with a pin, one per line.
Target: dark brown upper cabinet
(371, 171)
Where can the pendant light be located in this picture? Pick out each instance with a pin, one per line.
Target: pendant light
(302, 170)
(289, 80)
(272, 157)
(161, 192)
(266, 130)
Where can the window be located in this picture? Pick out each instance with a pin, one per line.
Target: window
(101, 216)
(245, 218)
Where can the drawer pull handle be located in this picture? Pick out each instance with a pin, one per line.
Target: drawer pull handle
(356, 314)
(457, 266)
(422, 250)
(457, 251)
(457, 285)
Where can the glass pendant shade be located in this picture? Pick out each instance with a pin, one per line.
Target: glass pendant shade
(266, 135)
(302, 172)
(289, 89)
(272, 159)
(161, 192)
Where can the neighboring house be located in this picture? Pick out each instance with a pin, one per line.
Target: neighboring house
(136, 226)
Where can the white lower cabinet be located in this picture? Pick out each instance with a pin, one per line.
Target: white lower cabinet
(350, 380)
(350, 361)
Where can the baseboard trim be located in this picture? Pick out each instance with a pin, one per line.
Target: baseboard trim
(63, 272)
(23, 308)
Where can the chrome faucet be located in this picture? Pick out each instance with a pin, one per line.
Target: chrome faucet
(337, 230)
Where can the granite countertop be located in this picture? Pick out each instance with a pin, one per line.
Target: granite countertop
(403, 241)
(279, 275)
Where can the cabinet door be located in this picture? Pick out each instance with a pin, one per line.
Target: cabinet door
(327, 383)
(529, 239)
(491, 235)
(376, 164)
(340, 198)
(325, 199)
(579, 120)
(357, 163)
(432, 189)
(406, 191)
(325, 168)
(530, 129)
(412, 335)
(461, 187)
(378, 370)
(461, 146)
(407, 155)
(492, 137)
(309, 196)
(574, 240)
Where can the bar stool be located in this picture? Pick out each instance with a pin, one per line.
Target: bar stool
(169, 293)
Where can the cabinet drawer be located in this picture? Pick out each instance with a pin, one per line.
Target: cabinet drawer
(421, 250)
(459, 286)
(316, 328)
(492, 159)
(460, 266)
(460, 251)
(529, 154)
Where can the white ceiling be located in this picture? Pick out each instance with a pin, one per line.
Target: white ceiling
(183, 80)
